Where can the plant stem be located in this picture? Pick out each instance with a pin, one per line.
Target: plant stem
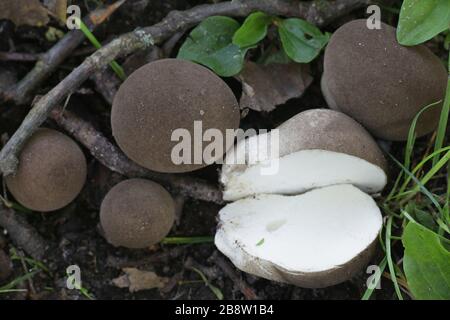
(187, 240)
(113, 64)
(389, 258)
(442, 128)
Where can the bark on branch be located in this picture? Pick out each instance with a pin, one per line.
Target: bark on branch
(48, 62)
(22, 233)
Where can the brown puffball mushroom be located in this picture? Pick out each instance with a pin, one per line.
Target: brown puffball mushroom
(310, 197)
(137, 213)
(51, 172)
(381, 84)
(163, 96)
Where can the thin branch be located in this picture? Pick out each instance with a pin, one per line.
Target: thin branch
(111, 157)
(19, 56)
(22, 233)
(231, 272)
(176, 21)
(47, 63)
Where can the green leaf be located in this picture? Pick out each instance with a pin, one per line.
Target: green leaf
(426, 263)
(253, 30)
(301, 40)
(422, 20)
(210, 44)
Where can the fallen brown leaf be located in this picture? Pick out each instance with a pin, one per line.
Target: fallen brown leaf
(24, 12)
(137, 280)
(58, 8)
(266, 86)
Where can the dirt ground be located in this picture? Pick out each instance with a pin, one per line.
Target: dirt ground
(74, 229)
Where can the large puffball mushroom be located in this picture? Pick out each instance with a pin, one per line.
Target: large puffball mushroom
(51, 172)
(137, 213)
(317, 140)
(369, 76)
(164, 96)
(303, 215)
(312, 240)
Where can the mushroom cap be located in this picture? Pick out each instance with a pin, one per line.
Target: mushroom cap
(137, 213)
(163, 96)
(312, 240)
(51, 171)
(317, 140)
(381, 84)
(332, 131)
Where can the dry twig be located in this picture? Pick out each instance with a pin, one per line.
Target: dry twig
(48, 62)
(22, 233)
(231, 273)
(19, 56)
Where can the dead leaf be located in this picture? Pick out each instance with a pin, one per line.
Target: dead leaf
(137, 280)
(58, 8)
(266, 86)
(24, 12)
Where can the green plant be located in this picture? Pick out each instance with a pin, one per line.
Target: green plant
(32, 267)
(221, 43)
(416, 206)
(90, 36)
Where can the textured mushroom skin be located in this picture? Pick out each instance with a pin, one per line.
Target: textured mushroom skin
(381, 84)
(330, 130)
(163, 96)
(51, 171)
(137, 213)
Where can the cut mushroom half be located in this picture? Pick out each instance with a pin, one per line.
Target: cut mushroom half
(313, 240)
(302, 171)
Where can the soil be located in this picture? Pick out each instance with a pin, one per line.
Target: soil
(74, 230)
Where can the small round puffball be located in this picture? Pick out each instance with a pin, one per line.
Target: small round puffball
(168, 95)
(137, 213)
(51, 172)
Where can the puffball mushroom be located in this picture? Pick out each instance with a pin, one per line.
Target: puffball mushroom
(312, 240)
(317, 139)
(311, 222)
(381, 84)
(163, 96)
(51, 172)
(137, 213)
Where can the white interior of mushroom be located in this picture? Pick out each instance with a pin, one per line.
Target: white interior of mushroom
(301, 171)
(315, 231)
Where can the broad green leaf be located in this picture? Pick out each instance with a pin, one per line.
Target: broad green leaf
(210, 44)
(426, 263)
(253, 30)
(422, 20)
(301, 40)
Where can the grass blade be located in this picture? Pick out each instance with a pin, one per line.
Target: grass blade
(370, 291)
(422, 188)
(90, 36)
(187, 240)
(389, 258)
(442, 128)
